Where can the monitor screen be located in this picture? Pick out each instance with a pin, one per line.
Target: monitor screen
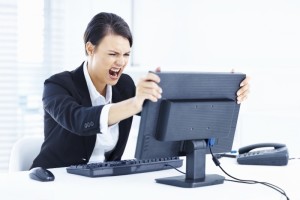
(197, 110)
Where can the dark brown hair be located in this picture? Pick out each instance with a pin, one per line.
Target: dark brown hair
(103, 24)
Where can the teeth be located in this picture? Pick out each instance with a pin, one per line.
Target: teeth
(115, 69)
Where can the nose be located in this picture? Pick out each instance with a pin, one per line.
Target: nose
(121, 61)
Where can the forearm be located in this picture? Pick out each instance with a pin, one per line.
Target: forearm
(147, 88)
(124, 109)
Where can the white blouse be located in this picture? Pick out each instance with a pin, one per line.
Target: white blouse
(108, 138)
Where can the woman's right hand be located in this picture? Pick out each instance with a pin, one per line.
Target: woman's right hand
(148, 88)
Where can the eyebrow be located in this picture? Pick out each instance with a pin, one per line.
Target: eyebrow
(118, 52)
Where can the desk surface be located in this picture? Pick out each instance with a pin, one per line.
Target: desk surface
(18, 185)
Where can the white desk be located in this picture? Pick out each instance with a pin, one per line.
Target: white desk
(18, 185)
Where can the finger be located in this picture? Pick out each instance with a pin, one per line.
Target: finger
(151, 77)
(149, 85)
(245, 81)
(242, 99)
(242, 89)
(158, 69)
(151, 98)
(150, 94)
(243, 96)
(153, 92)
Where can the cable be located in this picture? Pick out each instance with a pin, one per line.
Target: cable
(217, 163)
(175, 168)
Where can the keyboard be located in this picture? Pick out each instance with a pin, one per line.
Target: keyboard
(123, 167)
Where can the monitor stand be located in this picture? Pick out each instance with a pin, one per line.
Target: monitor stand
(195, 168)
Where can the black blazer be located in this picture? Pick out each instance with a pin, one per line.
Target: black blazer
(71, 122)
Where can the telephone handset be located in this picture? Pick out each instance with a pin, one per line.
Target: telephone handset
(277, 156)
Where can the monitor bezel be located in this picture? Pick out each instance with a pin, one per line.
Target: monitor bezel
(187, 86)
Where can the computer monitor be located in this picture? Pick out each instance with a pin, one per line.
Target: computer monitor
(196, 110)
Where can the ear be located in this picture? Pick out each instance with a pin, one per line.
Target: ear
(89, 47)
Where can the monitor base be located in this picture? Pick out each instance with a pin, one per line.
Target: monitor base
(181, 181)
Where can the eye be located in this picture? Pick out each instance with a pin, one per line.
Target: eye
(112, 54)
(127, 54)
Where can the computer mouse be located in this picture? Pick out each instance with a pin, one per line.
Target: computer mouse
(41, 174)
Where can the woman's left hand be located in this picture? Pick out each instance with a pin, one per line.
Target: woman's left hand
(242, 93)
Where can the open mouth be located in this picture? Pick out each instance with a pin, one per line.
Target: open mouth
(114, 72)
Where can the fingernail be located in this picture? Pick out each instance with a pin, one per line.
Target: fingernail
(242, 84)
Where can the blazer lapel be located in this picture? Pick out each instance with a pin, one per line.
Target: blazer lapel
(80, 84)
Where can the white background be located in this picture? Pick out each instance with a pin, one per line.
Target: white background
(259, 37)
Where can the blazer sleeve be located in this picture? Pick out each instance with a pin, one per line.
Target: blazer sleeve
(64, 103)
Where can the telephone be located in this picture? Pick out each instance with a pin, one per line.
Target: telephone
(277, 156)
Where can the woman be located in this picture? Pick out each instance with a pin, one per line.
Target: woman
(88, 111)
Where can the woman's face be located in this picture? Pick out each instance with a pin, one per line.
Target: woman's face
(108, 60)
